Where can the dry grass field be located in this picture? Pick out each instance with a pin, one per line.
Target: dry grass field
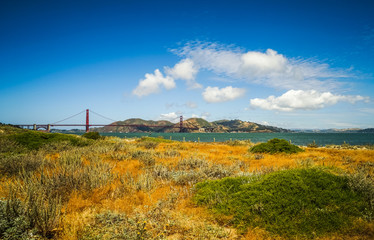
(116, 188)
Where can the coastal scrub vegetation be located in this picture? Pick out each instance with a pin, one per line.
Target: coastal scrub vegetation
(291, 203)
(56, 186)
(33, 140)
(92, 135)
(276, 146)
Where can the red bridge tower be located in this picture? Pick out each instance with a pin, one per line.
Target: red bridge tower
(181, 124)
(87, 120)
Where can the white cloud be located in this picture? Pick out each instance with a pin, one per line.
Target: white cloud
(214, 94)
(266, 68)
(260, 64)
(303, 100)
(152, 83)
(185, 70)
(172, 117)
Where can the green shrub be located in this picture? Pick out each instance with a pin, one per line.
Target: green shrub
(37, 215)
(13, 222)
(300, 203)
(33, 140)
(363, 183)
(43, 210)
(6, 129)
(92, 135)
(14, 164)
(275, 146)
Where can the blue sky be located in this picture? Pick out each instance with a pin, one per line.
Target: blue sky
(291, 64)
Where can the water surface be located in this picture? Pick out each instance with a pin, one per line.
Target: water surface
(321, 139)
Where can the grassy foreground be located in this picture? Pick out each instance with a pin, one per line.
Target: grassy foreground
(56, 186)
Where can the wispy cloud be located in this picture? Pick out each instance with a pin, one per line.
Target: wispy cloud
(215, 94)
(268, 68)
(303, 100)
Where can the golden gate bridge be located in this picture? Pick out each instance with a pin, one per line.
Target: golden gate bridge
(87, 125)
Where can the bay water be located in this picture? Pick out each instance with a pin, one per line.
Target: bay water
(301, 139)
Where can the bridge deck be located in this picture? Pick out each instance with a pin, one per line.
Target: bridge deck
(102, 125)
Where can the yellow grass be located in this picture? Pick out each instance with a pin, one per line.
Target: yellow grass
(167, 205)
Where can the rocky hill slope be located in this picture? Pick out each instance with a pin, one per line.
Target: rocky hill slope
(189, 125)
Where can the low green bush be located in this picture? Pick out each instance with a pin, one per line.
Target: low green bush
(6, 129)
(299, 203)
(275, 146)
(92, 135)
(33, 140)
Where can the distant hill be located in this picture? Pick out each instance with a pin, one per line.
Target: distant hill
(135, 128)
(367, 130)
(334, 130)
(243, 126)
(190, 125)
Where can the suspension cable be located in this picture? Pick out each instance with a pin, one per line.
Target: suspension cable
(69, 117)
(112, 120)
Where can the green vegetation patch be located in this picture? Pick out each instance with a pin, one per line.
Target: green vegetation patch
(275, 146)
(33, 140)
(300, 203)
(154, 140)
(92, 135)
(6, 129)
